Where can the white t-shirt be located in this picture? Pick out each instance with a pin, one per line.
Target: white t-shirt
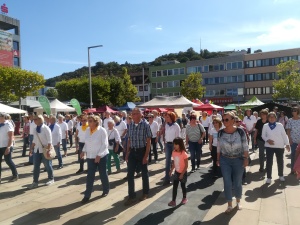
(121, 128)
(172, 132)
(154, 129)
(8, 127)
(113, 134)
(64, 128)
(70, 125)
(32, 127)
(206, 122)
(214, 135)
(249, 122)
(81, 134)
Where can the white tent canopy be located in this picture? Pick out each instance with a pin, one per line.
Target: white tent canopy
(56, 106)
(10, 110)
(168, 102)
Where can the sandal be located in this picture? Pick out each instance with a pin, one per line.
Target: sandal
(228, 210)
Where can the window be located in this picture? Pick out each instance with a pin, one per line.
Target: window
(16, 45)
(217, 80)
(205, 69)
(176, 71)
(228, 66)
(165, 84)
(209, 93)
(267, 76)
(140, 88)
(229, 79)
(153, 74)
(234, 79)
(176, 93)
(146, 99)
(222, 92)
(258, 63)
(277, 61)
(266, 62)
(222, 67)
(216, 67)
(249, 64)
(258, 77)
(250, 91)
(165, 73)
(211, 80)
(234, 65)
(240, 91)
(176, 83)
(205, 80)
(170, 84)
(240, 65)
(268, 91)
(199, 69)
(257, 91)
(153, 85)
(191, 70)
(146, 87)
(171, 94)
(240, 78)
(222, 80)
(181, 70)
(211, 68)
(158, 85)
(170, 72)
(158, 73)
(16, 61)
(250, 77)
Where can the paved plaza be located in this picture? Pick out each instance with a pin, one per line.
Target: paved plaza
(278, 203)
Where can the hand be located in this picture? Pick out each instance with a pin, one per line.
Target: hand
(82, 155)
(30, 153)
(170, 173)
(255, 142)
(126, 157)
(210, 148)
(7, 151)
(145, 160)
(288, 148)
(156, 140)
(246, 161)
(97, 159)
(271, 142)
(181, 176)
(218, 163)
(116, 150)
(200, 141)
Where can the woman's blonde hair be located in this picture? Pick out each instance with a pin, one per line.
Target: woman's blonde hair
(96, 119)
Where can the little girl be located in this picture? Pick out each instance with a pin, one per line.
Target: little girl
(180, 163)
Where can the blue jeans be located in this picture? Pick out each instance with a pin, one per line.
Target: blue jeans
(30, 143)
(135, 160)
(196, 152)
(38, 158)
(57, 150)
(8, 160)
(293, 154)
(159, 142)
(81, 161)
(232, 171)
(64, 144)
(168, 152)
(25, 143)
(92, 168)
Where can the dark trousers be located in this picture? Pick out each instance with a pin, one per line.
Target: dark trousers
(92, 168)
(216, 169)
(25, 144)
(8, 160)
(154, 149)
(81, 161)
(261, 149)
(205, 139)
(279, 156)
(135, 160)
(196, 151)
(175, 187)
(70, 134)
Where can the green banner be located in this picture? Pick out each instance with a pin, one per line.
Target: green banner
(45, 104)
(74, 102)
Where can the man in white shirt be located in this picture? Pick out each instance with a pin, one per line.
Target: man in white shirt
(64, 133)
(159, 122)
(32, 127)
(56, 139)
(70, 129)
(250, 122)
(106, 119)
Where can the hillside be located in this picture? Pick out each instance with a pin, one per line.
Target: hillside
(113, 68)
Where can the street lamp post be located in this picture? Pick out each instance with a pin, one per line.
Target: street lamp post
(90, 74)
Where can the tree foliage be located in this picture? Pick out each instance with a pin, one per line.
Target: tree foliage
(288, 85)
(51, 93)
(17, 83)
(191, 87)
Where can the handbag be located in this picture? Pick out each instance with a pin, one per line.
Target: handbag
(113, 142)
(50, 153)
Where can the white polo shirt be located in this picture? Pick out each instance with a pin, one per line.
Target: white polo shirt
(121, 128)
(45, 138)
(154, 129)
(8, 127)
(64, 128)
(172, 132)
(249, 122)
(32, 127)
(81, 134)
(56, 134)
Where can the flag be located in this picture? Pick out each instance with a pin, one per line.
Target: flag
(43, 100)
(74, 102)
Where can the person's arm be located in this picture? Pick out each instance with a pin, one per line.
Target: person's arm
(59, 136)
(288, 132)
(103, 143)
(218, 152)
(285, 139)
(210, 137)
(148, 146)
(172, 168)
(118, 140)
(10, 140)
(49, 137)
(255, 136)
(246, 148)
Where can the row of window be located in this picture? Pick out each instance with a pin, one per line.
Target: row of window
(16, 61)
(140, 88)
(259, 76)
(259, 91)
(224, 92)
(223, 80)
(269, 62)
(167, 94)
(16, 45)
(142, 98)
(215, 67)
(166, 84)
(168, 72)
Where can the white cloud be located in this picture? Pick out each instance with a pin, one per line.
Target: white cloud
(158, 28)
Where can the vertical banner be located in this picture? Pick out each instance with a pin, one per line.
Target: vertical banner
(6, 49)
(45, 104)
(74, 102)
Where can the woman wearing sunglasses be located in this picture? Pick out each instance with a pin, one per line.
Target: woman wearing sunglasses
(232, 157)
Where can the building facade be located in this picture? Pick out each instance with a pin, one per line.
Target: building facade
(143, 88)
(11, 26)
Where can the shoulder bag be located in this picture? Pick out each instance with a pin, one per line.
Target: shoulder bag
(48, 153)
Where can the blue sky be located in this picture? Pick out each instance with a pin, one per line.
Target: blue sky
(55, 34)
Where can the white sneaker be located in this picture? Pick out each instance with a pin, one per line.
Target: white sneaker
(50, 182)
(268, 181)
(281, 179)
(33, 185)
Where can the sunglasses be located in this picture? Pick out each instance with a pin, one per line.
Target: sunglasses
(226, 120)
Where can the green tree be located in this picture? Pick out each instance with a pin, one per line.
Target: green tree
(17, 83)
(129, 92)
(51, 93)
(288, 85)
(191, 87)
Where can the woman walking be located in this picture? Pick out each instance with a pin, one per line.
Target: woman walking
(80, 133)
(213, 143)
(114, 141)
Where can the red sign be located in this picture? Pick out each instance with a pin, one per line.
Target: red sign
(4, 8)
(16, 53)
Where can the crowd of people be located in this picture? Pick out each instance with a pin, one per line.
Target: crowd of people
(136, 137)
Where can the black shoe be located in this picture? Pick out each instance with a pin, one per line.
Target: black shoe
(60, 167)
(85, 200)
(261, 170)
(103, 195)
(192, 170)
(79, 171)
(14, 178)
(28, 163)
(138, 175)
(166, 183)
(130, 201)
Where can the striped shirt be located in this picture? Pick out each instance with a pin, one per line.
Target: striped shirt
(194, 132)
(138, 134)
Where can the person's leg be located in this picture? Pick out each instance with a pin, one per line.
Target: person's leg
(103, 174)
(48, 166)
(30, 158)
(279, 152)
(175, 187)
(58, 154)
(261, 149)
(214, 159)
(252, 140)
(116, 159)
(198, 154)
(10, 163)
(160, 144)
(2, 150)
(71, 138)
(183, 188)
(130, 174)
(237, 175)
(145, 175)
(168, 153)
(293, 154)
(192, 148)
(25, 141)
(226, 168)
(37, 158)
(109, 161)
(154, 145)
(206, 135)
(81, 161)
(270, 154)
(64, 145)
(92, 166)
